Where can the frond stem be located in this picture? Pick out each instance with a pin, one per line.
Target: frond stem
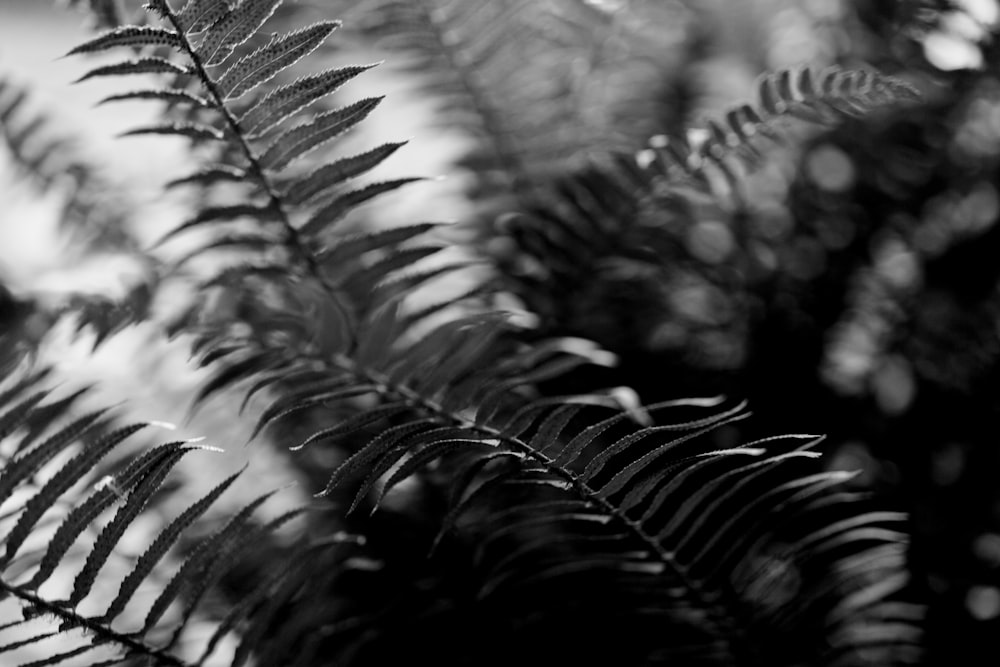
(293, 239)
(381, 383)
(385, 387)
(105, 632)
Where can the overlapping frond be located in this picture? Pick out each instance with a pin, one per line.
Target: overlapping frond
(733, 143)
(634, 218)
(260, 139)
(45, 153)
(30, 141)
(64, 526)
(528, 122)
(633, 518)
(56, 164)
(561, 503)
(105, 316)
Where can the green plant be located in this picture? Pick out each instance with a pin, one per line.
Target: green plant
(508, 519)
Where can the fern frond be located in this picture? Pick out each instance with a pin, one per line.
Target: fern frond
(54, 163)
(107, 316)
(642, 511)
(38, 482)
(77, 467)
(248, 130)
(680, 515)
(629, 214)
(537, 86)
(638, 503)
(224, 542)
(732, 141)
(284, 102)
(17, 471)
(30, 132)
(161, 545)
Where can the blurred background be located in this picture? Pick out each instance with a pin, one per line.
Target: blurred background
(853, 291)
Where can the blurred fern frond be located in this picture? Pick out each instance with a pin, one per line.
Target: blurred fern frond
(634, 218)
(43, 152)
(587, 69)
(734, 141)
(96, 222)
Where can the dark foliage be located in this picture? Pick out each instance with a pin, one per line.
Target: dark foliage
(482, 496)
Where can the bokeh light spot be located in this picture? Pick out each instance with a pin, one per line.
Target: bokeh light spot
(710, 241)
(983, 602)
(898, 265)
(950, 52)
(986, 12)
(855, 456)
(894, 386)
(981, 207)
(806, 259)
(986, 547)
(830, 169)
(947, 465)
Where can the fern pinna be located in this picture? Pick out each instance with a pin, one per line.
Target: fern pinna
(588, 514)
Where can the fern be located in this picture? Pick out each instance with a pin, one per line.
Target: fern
(627, 215)
(528, 123)
(254, 123)
(251, 124)
(732, 142)
(581, 511)
(41, 481)
(662, 500)
(54, 161)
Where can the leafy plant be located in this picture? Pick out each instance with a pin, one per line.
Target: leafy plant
(471, 513)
